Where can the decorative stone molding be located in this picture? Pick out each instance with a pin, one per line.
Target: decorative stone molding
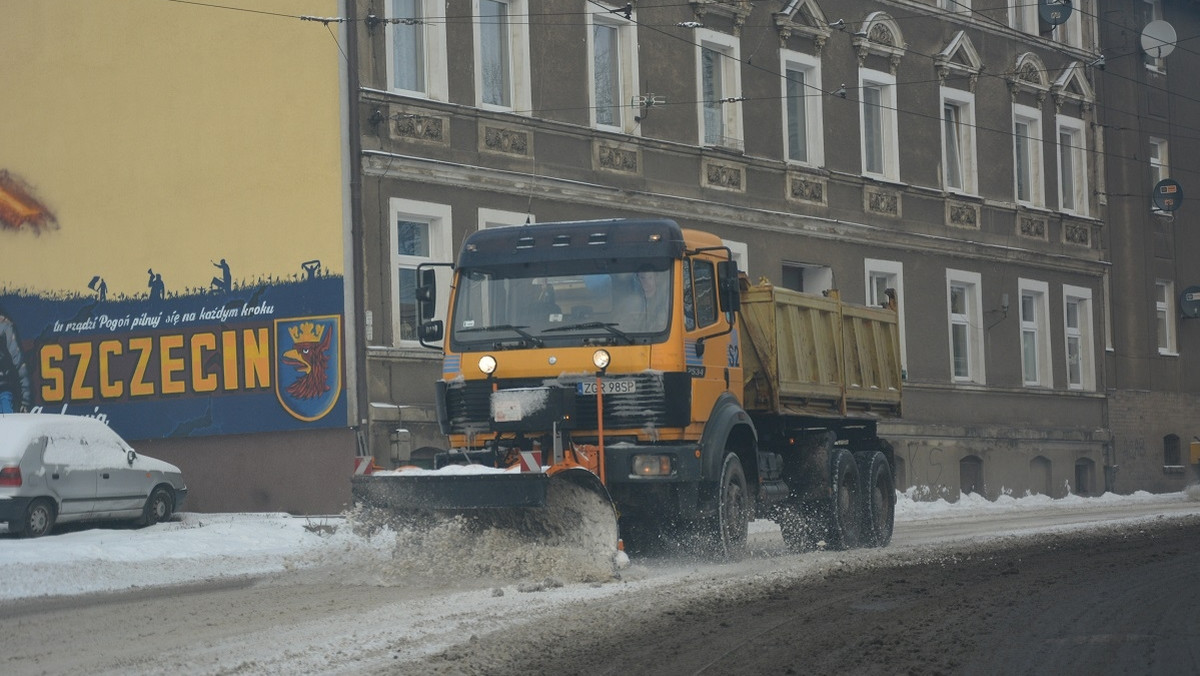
(1028, 75)
(403, 126)
(723, 176)
(880, 35)
(962, 214)
(807, 188)
(1079, 234)
(881, 201)
(1031, 227)
(959, 57)
(625, 159)
(805, 18)
(497, 138)
(1072, 85)
(737, 10)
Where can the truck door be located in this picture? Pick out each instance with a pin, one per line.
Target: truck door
(706, 336)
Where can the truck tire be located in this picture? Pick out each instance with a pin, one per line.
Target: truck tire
(726, 532)
(844, 512)
(879, 498)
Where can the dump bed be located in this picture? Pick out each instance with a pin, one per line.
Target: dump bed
(818, 356)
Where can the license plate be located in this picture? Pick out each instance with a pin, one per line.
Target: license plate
(588, 387)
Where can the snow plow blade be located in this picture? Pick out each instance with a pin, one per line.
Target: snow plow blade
(421, 492)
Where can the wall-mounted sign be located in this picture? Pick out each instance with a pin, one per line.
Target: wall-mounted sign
(1168, 194)
(1189, 302)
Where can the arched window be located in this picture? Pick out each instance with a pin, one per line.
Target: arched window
(1085, 477)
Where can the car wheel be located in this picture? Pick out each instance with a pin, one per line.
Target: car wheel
(158, 508)
(39, 519)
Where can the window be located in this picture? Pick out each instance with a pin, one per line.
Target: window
(1077, 320)
(416, 60)
(958, 141)
(1027, 156)
(1072, 166)
(1023, 16)
(878, 111)
(966, 322)
(1069, 32)
(699, 293)
(613, 69)
(1159, 164)
(803, 127)
(1172, 451)
(1152, 11)
(719, 79)
(1035, 333)
(496, 218)
(881, 276)
(502, 55)
(1164, 308)
(807, 278)
(420, 233)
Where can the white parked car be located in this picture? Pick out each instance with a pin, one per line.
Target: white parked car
(63, 468)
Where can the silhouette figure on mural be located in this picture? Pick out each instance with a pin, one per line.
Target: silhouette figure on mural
(15, 392)
(99, 286)
(225, 281)
(311, 268)
(156, 285)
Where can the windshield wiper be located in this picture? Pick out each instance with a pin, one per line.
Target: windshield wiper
(611, 327)
(519, 330)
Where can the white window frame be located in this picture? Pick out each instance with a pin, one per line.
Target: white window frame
(964, 104)
(1023, 16)
(516, 33)
(809, 101)
(1076, 153)
(888, 130)
(1082, 299)
(498, 218)
(893, 271)
(731, 134)
(1160, 164)
(1153, 12)
(1164, 308)
(438, 218)
(1035, 326)
(1070, 32)
(1032, 118)
(971, 321)
(741, 253)
(433, 38)
(626, 71)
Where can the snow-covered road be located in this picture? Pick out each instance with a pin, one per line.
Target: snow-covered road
(269, 593)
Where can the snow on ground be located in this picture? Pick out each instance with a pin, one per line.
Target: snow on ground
(201, 547)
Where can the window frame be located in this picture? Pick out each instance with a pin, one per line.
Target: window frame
(438, 218)
(1039, 325)
(626, 53)
(1070, 32)
(516, 53)
(874, 268)
(1023, 16)
(1152, 11)
(964, 103)
(499, 218)
(888, 125)
(971, 319)
(1082, 299)
(814, 124)
(1164, 311)
(1077, 152)
(1035, 162)
(433, 37)
(729, 48)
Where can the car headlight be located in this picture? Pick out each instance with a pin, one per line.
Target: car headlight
(653, 465)
(487, 364)
(601, 358)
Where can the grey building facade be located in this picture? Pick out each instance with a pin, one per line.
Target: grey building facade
(956, 151)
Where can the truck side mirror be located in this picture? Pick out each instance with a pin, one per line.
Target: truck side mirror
(427, 293)
(430, 331)
(727, 278)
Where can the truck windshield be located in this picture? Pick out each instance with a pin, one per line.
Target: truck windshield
(622, 301)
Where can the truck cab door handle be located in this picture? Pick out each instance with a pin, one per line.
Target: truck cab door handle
(105, 475)
(54, 476)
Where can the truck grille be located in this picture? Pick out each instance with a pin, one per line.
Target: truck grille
(660, 400)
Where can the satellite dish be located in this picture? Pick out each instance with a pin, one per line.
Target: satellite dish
(1054, 12)
(1158, 39)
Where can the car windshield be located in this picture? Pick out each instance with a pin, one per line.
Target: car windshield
(623, 301)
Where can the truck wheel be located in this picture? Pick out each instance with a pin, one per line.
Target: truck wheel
(844, 517)
(879, 498)
(733, 510)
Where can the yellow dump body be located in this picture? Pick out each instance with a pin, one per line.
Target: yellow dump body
(818, 356)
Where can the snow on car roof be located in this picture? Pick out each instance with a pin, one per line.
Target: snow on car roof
(16, 430)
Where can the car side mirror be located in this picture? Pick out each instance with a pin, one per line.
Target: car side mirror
(131, 456)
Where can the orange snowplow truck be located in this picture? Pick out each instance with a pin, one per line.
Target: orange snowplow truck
(631, 358)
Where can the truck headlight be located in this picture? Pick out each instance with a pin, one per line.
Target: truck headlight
(601, 358)
(653, 465)
(487, 364)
